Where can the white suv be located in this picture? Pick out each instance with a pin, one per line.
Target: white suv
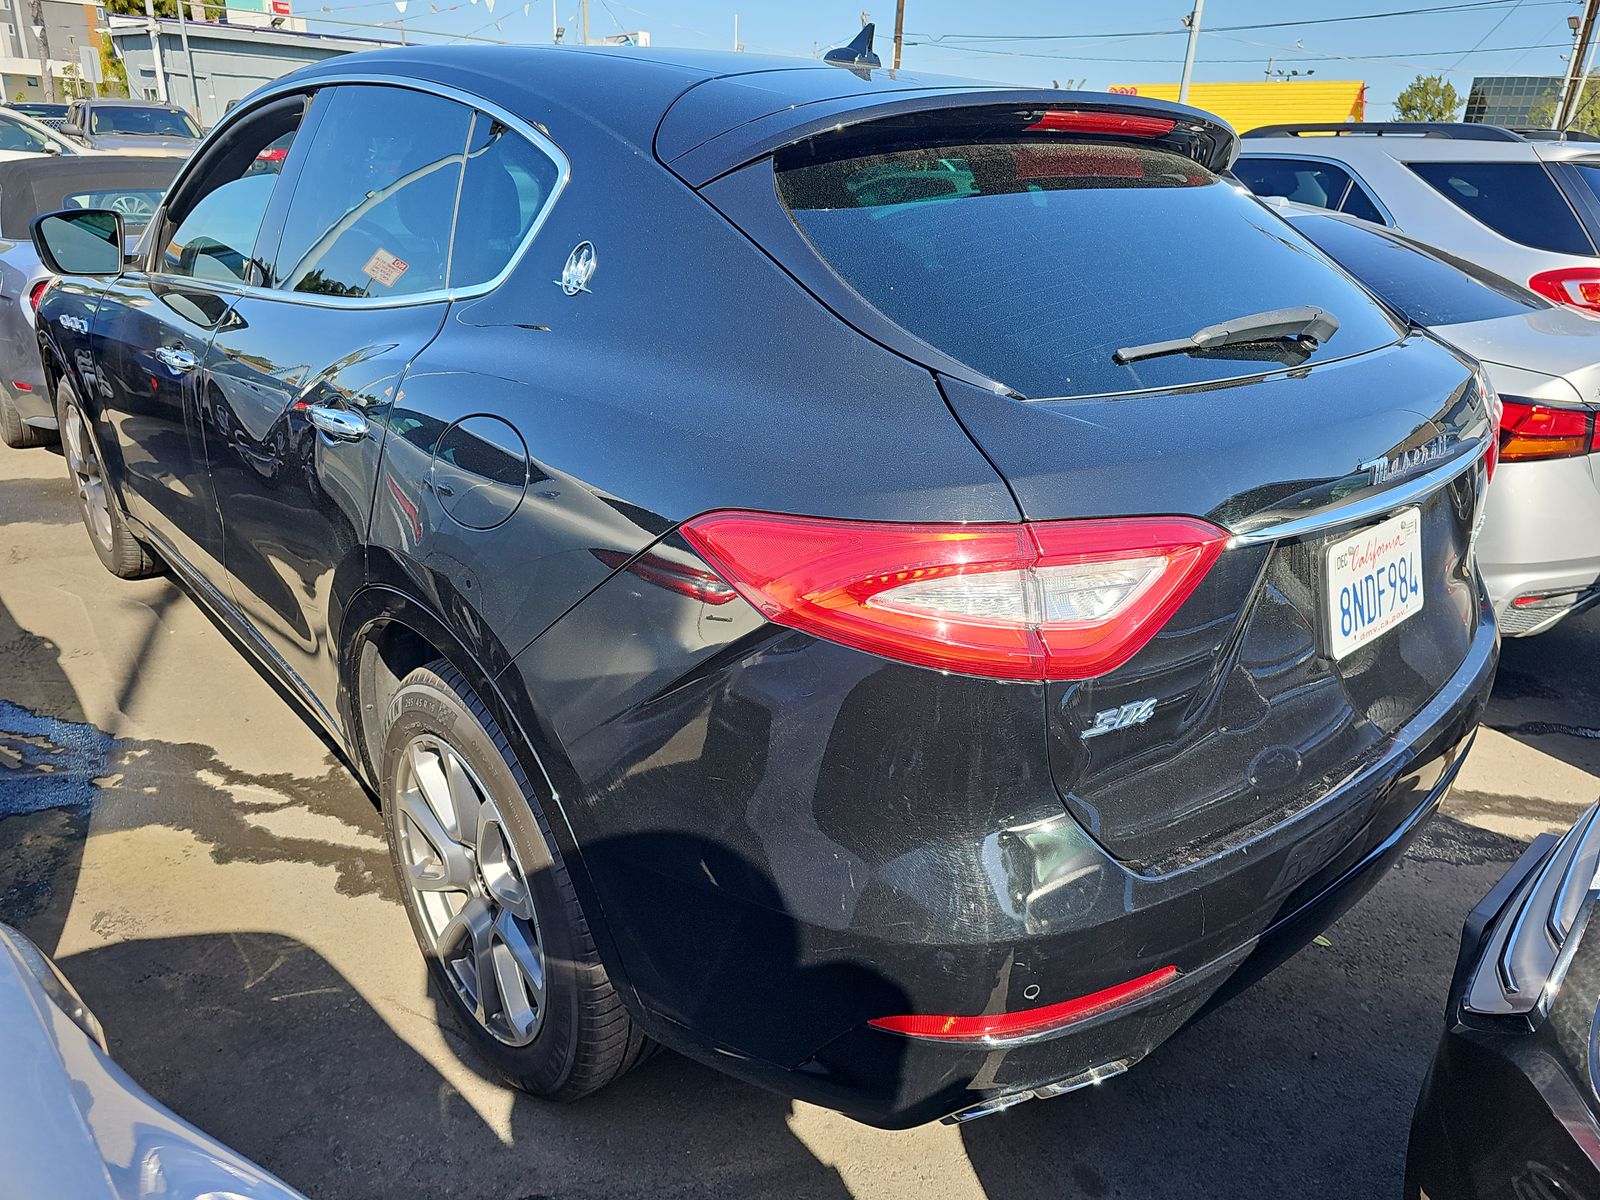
(1524, 205)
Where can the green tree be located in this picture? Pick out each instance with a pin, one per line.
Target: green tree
(1585, 114)
(1428, 98)
(113, 71)
(164, 8)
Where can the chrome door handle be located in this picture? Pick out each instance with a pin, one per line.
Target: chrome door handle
(175, 359)
(339, 423)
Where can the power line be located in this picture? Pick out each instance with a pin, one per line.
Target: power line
(1493, 29)
(1308, 55)
(1471, 6)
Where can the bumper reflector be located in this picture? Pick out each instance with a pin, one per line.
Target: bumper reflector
(999, 1026)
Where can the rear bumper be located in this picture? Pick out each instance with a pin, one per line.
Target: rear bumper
(1525, 549)
(1223, 922)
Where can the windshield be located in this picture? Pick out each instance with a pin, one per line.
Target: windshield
(1034, 261)
(146, 122)
(1426, 289)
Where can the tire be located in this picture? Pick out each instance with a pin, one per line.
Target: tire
(120, 552)
(14, 431)
(442, 755)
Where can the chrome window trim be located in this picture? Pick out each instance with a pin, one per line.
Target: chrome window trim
(477, 104)
(1368, 507)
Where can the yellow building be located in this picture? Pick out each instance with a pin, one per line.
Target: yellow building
(1248, 106)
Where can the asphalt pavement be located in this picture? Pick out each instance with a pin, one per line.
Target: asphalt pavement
(216, 884)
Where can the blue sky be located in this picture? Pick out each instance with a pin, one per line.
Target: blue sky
(1135, 41)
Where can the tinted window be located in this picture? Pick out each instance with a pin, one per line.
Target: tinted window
(1517, 200)
(16, 136)
(142, 122)
(1358, 204)
(1316, 184)
(1424, 288)
(1033, 262)
(377, 195)
(219, 212)
(508, 180)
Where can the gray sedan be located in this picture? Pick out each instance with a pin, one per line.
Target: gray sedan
(1539, 549)
(133, 186)
(74, 1126)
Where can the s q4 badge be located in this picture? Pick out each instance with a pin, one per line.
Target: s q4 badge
(579, 270)
(1110, 720)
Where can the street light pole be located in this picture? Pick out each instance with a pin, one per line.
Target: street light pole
(1572, 82)
(899, 30)
(188, 58)
(155, 49)
(1188, 55)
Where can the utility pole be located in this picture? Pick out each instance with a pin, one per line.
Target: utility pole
(1193, 22)
(41, 34)
(736, 33)
(155, 48)
(899, 30)
(585, 22)
(1572, 82)
(188, 57)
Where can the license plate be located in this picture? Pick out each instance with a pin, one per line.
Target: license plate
(1374, 581)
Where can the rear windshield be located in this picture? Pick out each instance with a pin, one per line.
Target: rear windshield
(1518, 200)
(147, 122)
(1034, 261)
(1426, 289)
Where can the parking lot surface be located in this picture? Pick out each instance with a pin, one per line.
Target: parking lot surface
(216, 884)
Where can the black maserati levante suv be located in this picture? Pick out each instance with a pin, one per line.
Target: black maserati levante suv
(902, 589)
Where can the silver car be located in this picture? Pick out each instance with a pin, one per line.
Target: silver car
(73, 1126)
(1526, 207)
(131, 127)
(29, 187)
(1539, 548)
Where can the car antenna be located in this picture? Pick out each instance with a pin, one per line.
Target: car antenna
(858, 54)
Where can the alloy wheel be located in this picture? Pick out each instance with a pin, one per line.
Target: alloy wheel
(470, 890)
(84, 463)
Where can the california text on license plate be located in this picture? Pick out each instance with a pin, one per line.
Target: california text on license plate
(1374, 581)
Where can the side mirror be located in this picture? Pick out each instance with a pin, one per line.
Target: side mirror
(80, 241)
(68, 129)
(51, 148)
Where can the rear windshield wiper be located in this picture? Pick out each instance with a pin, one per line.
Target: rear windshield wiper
(1304, 323)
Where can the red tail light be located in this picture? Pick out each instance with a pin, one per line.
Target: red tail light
(1062, 120)
(1530, 431)
(1049, 600)
(1576, 287)
(36, 293)
(1032, 1020)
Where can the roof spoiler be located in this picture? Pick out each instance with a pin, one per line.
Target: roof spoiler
(1206, 139)
(1461, 131)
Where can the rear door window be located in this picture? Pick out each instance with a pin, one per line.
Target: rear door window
(1426, 289)
(1034, 261)
(1518, 200)
(507, 184)
(1318, 185)
(372, 213)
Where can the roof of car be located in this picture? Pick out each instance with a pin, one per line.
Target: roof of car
(676, 101)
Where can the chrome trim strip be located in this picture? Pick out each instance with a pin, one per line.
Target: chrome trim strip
(1552, 921)
(1367, 508)
(1508, 978)
(517, 124)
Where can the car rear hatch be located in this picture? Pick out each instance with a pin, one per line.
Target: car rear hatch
(1028, 250)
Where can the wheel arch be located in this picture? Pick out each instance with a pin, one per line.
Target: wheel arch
(386, 632)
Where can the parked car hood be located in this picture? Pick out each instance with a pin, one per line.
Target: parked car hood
(140, 143)
(1551, 341)
(72, 1124)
